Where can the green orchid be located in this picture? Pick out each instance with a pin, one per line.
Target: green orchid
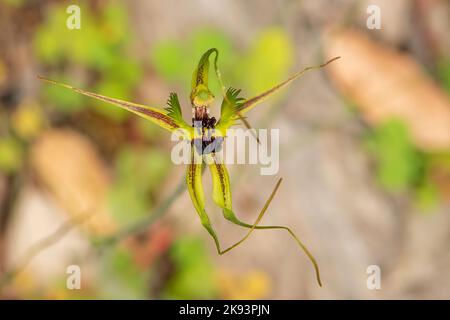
(207, 135)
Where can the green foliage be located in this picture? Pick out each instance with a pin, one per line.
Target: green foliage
(399, 165)
(194, 277)
(54, 43)
(99, 46)
(138, 174)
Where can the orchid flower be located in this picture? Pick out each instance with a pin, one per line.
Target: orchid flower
(207, 134)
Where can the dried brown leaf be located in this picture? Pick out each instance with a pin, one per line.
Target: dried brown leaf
(68, 166)
(386, 84)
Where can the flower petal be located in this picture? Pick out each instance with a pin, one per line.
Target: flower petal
(155, 115)
(250, 103)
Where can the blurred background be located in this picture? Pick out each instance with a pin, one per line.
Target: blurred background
(365, 150)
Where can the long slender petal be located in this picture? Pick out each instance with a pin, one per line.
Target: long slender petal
(155, 115)
(250, 103)
(195, 188)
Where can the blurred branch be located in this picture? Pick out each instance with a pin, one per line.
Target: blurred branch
(67, 226)
(41, 245)
(143, 224)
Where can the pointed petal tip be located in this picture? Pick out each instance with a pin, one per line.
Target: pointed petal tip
(331, 60)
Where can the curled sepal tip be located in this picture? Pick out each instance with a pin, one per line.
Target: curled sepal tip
(222, 197)
(195, 188)
(201, 96)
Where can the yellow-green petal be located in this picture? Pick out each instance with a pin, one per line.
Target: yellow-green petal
(250, 103)
(201, 96)
(155, 115)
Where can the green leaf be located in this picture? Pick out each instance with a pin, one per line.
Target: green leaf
(399, 165)
(268, 61)
(100, 45)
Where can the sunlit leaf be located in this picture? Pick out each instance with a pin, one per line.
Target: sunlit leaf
(268, 61)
